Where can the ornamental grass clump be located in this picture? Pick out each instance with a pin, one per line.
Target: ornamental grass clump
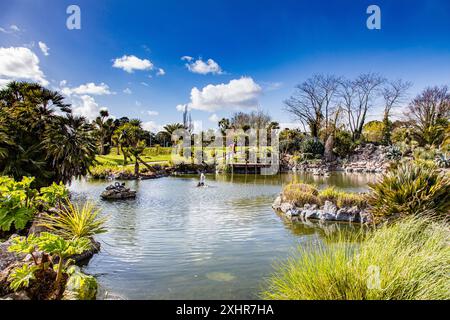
(301, 194)
(411, 189)
(406, 260)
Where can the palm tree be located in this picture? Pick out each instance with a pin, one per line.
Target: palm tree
(75, 151)
(36, 140)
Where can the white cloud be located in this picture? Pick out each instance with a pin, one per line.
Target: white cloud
(127, 91)
(11, 29)
(152, 126)
(88, 88)
(152, 113)
(20, 63)
(202, 67)
(145, 84)
(187, 58)
(182, 107)
(131, 63)
(44, 48)
(86, 106)
(214, 118)
(240, 93)
(3, 83)
(138, 103)
(161, 72)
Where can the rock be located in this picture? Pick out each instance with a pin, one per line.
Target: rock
(21, 295)
(310, 214)
(118, 192)
(286, 206)
(343, 215)
(326, 216)
(277, 203)
(330, 208)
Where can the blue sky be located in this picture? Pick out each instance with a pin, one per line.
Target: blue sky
(259, 49)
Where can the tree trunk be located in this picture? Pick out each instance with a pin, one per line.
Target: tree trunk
(329, 145)
(136, 167)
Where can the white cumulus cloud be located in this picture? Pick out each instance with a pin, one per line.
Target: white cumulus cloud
(152, 113)
(127, 91)
(44, 48)
(88, 88)
(214, 118)
(86, 106)
(201, 67)
(240, 93)
(152, 126)
(161, 72)
(11, 29)
(20, 63)
(131, 63)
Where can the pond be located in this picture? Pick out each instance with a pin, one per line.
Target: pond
(176, 241)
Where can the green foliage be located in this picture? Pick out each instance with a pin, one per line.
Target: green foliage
(411, 189)
(313, 146)
(73, 221)
(351, 200)
(80, 286)
(25, 245)
(343, 144)
(343, 199)
(290, 141)
(54, 194)
(301, 194)
(43, 139)
(425, 153)
(16, 203)
(411, 256)
(56, 245)
(373, 131)
(20, 277)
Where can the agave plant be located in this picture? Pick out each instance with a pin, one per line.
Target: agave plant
(394, 153)
(442, 161)
(74, 221)
(411, 189)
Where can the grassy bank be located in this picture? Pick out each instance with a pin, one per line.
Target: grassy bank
(407, 260)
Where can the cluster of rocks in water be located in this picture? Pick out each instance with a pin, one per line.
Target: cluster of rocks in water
(327, 212)
(118, 191)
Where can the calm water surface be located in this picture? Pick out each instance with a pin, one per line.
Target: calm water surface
(176, 241)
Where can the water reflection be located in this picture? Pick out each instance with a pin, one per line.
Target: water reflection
(176, 241)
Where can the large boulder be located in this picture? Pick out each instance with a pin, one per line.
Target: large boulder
(118, 191)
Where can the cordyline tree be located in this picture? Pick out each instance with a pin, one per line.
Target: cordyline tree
(430, 113)
(38, 141)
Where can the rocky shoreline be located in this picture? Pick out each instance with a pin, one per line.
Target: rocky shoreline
(327, 212)
(364, 159)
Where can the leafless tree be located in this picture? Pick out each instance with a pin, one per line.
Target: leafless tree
(313, 100)
(357, 98)
(430, 112)
(394, 94)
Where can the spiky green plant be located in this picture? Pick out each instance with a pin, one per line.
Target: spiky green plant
(301, 194)
(74, 221)
(411, 189)
(408, 260)
(351, 200)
